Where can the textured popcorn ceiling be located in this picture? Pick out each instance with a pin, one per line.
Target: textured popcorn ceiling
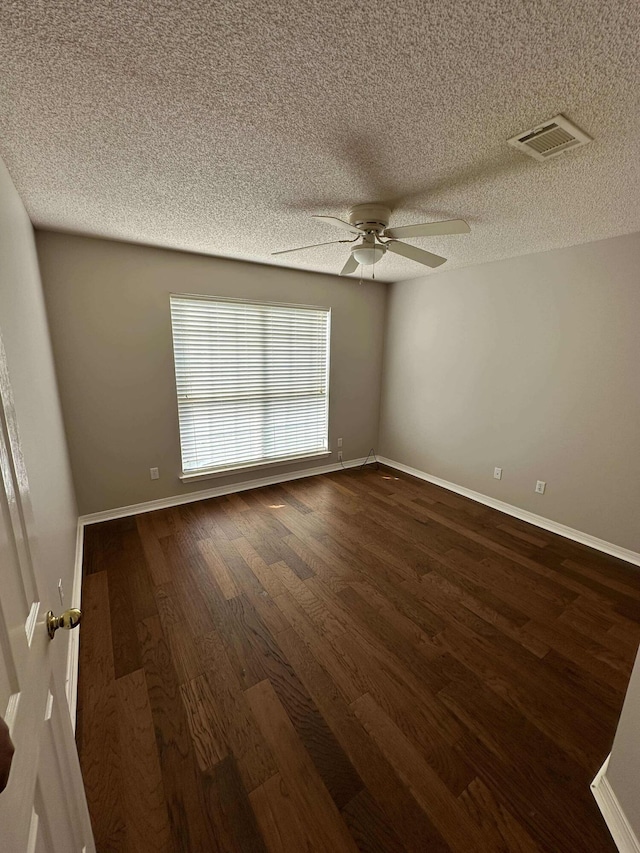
(219, 127)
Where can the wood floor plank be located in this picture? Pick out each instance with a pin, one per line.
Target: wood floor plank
(505, 749)
(216, 564)
(186, 660)
(168, 606)
(158, 567)
(224, 526)
(329, 573)
(209, 741)
(279, 495)
(311, 797)
(362, 655)
(497, 822)
(101, 757)
(279, 819)
(252, 752)
(300, 567)
(195, 518)
(625, 636)
(411, 824)
(141, 587)
(354, 661)
(221, 723)
(308, 634)
(615, 579)
(313, 606)
(144, 807)
(231, 812)
(191, 827)
(489, 608)
(249, 584)
(126, 650)
(264, 573)
(404, 696)
(332, 764)
(526, 536)
(407, 604)
(371, 831)
(103, 541)
(165, 522)
(414, 655)
(404, 625)
(442, 807)
(428, 725)
(240, 625)
(550, 705)
(192, 582)
(524, 594)
(542, 812)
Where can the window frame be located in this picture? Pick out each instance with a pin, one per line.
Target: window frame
(265, 462)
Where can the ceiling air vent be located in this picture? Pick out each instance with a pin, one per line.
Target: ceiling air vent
(550, 139)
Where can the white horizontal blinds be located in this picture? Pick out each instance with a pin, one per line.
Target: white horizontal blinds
(252, 381)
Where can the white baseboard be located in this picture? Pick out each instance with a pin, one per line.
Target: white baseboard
(73, 653)
(522, 514)
(613, 814)
(217, 491)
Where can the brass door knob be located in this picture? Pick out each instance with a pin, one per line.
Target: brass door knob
(69, 619)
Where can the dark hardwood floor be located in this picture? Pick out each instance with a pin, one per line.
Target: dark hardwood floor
(358, 661)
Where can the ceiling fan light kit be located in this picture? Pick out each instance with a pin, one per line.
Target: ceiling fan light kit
(368, 252)
(373, 238)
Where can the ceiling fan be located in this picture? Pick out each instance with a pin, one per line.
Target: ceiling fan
(368, 222)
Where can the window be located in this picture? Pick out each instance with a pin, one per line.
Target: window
(252, 382)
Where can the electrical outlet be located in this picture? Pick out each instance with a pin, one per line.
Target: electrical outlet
(540, 487)
(339, 456)
(155, 473)
(339, 442)
(497, 473)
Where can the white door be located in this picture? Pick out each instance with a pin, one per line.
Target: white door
(43, 808)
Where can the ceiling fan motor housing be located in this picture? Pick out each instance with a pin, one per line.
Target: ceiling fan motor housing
(370, 217)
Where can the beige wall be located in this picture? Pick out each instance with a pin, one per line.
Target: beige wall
(23, 326)
(108, 306)
(530, 364)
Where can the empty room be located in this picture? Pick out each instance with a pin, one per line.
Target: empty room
(319, 427)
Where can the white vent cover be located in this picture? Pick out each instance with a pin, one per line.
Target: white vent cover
(550, 139)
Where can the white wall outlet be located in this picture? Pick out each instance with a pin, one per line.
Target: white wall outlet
(497, 473)
(339, 442)
(339, 456)
(154, 473)
(540, 487)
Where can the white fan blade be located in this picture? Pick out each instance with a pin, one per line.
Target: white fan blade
(339, 223)
(313, 246)
(429, 229)
(415, 254)
(350, 266)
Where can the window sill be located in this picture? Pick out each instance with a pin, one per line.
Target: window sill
(254, 466)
